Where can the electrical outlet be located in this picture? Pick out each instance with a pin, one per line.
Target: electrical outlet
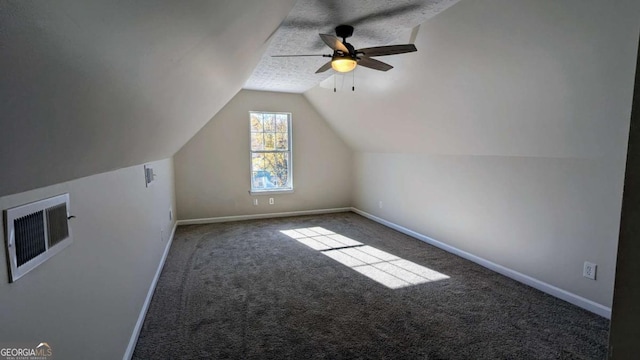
(271, 202)
(589, 270)
(380, 204)
(170, 214)
(255, 202)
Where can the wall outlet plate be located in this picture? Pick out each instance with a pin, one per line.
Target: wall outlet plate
(589, 270)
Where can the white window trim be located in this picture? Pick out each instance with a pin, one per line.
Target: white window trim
(288, 190)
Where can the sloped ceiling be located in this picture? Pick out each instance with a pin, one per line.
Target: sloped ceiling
(497, 78)
(87, 87)
(376, 22)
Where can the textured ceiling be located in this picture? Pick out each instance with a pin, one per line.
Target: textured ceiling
(376, 22)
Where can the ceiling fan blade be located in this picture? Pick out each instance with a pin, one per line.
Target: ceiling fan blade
(323, 55)
(334, 43)
(373, 64)
(387, 50)
(324, 67)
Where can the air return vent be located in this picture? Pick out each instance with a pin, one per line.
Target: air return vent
(35, 232)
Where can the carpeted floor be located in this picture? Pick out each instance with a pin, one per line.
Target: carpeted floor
(245, 290)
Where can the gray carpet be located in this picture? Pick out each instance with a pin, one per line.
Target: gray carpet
(244, 290)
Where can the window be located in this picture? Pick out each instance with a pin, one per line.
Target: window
(271, 152)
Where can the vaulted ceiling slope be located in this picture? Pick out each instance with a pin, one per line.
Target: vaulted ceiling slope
(88, 87)
(498, 78)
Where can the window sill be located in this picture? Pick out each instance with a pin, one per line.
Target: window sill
(271, 192)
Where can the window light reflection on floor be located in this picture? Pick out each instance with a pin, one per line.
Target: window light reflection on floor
(387, 269)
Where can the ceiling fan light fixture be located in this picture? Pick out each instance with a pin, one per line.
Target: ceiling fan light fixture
(343, 64)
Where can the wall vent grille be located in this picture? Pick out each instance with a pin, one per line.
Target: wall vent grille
(35, 232)
(29, 234)
(58, 224)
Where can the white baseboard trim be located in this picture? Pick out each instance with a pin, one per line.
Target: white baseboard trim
(143, 312)
(260, 216)
(569, 297)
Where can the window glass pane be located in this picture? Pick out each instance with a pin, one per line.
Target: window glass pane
(282, 141)
(269, 122)
(257, 141)
(282, 171)
(257, 162)
(269, 141)
(282, 123)
(256, 122)
(276, 165)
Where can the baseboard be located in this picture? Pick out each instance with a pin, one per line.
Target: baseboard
(525, 279)
(143, 312)
(260, 216)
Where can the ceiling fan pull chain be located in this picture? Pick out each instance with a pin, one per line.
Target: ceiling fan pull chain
(334, 83)
(353, 80)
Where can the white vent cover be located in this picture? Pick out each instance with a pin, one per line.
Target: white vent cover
(35, 232)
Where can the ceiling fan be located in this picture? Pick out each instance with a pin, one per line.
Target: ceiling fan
(345, 57)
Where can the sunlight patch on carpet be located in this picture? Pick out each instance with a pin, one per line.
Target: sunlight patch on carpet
(387, 269)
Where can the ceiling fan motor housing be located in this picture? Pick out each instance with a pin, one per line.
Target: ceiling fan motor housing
(344, 31)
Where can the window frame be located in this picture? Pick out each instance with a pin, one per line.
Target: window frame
(279, 190)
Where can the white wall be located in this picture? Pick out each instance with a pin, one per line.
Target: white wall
(212, 169)
(504, 135)
(85, 301)
(541, 217)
